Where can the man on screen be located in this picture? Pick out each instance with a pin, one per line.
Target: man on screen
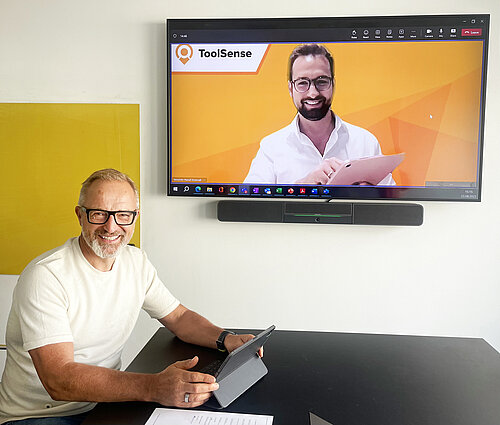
(311, 148)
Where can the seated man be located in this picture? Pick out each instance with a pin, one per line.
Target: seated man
(74, 308)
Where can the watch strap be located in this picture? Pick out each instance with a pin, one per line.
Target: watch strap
(220, 340)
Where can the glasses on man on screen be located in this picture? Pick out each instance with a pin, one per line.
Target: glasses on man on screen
(321, 83)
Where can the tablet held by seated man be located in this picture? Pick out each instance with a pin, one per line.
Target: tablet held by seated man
(241, 369)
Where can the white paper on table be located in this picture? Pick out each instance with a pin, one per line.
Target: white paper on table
(164, 416)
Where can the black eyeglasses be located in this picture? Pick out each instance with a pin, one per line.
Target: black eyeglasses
(304, 84)
(122, 218)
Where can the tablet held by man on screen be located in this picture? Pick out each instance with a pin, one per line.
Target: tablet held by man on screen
(365, 171)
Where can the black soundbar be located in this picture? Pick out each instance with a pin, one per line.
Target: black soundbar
(385, 214)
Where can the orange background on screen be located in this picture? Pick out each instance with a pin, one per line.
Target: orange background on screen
(421, 98)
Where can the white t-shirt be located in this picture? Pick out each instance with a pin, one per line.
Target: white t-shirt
(60, 297)
(289, 155)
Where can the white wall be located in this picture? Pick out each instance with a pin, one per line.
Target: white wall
(438, 279)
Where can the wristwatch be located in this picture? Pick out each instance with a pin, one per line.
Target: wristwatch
(220, 340)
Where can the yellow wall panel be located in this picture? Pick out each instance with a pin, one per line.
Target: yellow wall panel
(46, 152)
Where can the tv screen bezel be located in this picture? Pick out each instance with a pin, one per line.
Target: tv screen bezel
(315, 24)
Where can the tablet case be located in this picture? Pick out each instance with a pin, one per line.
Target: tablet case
(241, 369)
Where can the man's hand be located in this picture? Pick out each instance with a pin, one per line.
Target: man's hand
(323, 173)
(172, 384)
(232, 342)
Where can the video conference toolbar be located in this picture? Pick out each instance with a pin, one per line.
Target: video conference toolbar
(348, 29)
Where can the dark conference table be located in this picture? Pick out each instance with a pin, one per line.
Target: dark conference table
(346, 379)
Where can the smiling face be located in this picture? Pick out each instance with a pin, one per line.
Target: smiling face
(104, 241)
(313, 104)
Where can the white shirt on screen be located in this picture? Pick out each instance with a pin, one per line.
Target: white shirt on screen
(289, 155)
(60, 297)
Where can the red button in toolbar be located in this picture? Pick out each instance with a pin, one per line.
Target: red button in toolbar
(471, 31)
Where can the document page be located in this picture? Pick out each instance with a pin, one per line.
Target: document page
(164, 416)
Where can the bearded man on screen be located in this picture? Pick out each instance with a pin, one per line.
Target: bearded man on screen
(317, 142)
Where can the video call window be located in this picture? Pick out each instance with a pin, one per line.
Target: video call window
(413, 86)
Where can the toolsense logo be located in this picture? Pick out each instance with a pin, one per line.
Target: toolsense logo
(184, 53)
(244, 57)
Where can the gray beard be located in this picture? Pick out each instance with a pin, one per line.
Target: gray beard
(98, 250)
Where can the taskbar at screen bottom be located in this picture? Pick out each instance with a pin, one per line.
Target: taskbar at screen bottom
(428, 193)
(250, 190)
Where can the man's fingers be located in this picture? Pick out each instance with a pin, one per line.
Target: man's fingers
(327, 167)
(178, 386)
(246, 337)
(195, 400)
(186, 364)
(335, 163)
(200, 388)
(197, 377)
(323, 173)
(321, 176)
(328, 171)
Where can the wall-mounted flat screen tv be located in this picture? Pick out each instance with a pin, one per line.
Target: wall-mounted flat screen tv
(344, 108)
